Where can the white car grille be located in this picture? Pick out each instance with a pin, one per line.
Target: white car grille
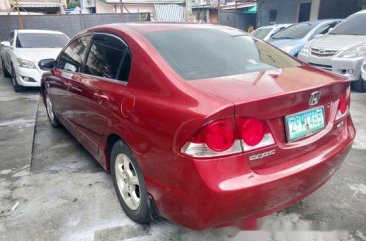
(326, 67)
(323, 52)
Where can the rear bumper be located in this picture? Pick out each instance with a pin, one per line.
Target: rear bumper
(350, 68)
(221, 192)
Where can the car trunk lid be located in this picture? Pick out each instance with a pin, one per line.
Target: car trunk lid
(273, 95)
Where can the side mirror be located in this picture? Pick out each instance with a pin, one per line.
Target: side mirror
(330, 29)
(5, 44)
(46, 64)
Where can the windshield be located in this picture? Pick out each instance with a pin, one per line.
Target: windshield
(261, 33)
(41, 40)
(209, 53)
(354, 25)
(296, 31)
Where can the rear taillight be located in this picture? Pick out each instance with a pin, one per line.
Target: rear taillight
(220, 138)
(254, 133)
(218, 135)
(343, 105)
(214, 139)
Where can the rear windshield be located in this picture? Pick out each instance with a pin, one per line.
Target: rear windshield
(262, 32)
(209, 53)
(354, 25)
(41, 40)
(296, 31)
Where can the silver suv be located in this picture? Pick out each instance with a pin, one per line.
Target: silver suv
(342, 50)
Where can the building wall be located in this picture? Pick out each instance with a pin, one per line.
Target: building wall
(287, 11)
(338, 8)
(69, 24)
(4, 5)
(237, 19)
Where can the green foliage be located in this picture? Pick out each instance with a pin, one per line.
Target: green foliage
(72, 3)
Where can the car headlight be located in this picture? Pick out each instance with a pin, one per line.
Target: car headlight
(287, 49)
(353, 52)
(305, 50)
(26, 63)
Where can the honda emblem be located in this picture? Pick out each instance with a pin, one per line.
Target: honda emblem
(314, 98)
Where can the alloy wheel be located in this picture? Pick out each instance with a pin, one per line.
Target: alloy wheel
(127, 181)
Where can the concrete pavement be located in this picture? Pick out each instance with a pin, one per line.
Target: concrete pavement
(61, 193)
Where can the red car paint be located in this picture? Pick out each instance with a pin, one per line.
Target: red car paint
(157, 112)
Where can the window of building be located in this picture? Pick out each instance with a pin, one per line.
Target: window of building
(273, 16)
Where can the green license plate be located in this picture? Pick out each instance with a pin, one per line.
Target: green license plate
(304, 123)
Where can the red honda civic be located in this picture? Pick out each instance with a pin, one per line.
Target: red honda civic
(202, 124)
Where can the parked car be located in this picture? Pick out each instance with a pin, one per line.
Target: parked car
(203, 135)
(292, 39)
(342, 50)
(23, 50)
(266, 32)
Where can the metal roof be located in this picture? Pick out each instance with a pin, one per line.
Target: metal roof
(169, 13)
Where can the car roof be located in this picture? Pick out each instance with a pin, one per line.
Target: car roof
(38, 31)
(361, 12)
(155, 27)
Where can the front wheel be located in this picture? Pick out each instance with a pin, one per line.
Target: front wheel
(17, 87)
(359, 85)
(129, 183)
(50, 113)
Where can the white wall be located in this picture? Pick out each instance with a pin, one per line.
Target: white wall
(132, 8)
(5, 5)
(314, 12)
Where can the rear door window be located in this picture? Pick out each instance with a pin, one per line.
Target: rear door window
(105, 58)
(72, 57)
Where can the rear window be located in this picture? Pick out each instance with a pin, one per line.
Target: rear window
(296, 31)
(41, 40)
(354, 25)
(262, 32)
(209, 53)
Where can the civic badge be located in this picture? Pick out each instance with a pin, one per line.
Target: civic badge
(314, 98)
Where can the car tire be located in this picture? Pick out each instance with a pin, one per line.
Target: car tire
(129, 183)
(359, 85)
(50, 112)
(6, 73)
(17, 87)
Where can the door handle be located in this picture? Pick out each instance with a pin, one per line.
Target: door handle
(100, 98)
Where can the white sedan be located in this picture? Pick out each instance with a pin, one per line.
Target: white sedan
(22, 52)
(266, 32)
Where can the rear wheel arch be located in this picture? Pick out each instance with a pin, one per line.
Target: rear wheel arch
(111, 140)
